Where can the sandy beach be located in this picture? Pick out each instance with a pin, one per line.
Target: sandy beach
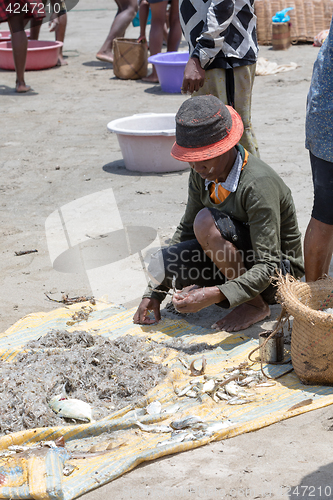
(57, 156)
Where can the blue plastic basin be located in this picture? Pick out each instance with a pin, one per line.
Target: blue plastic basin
(170, 69)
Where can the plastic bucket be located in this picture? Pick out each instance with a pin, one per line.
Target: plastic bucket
(5, 35)
(170, 69)
(146, 140)
(40, 55)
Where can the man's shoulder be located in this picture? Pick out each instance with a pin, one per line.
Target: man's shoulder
(262, 178)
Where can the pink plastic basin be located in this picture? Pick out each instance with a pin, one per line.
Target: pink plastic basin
(40, 55)
(170, 69)
(5, 35)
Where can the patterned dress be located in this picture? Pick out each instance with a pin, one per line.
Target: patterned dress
(30, 8)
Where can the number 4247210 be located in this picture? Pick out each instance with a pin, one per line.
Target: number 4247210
(32, 7)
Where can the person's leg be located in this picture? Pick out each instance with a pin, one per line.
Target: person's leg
(158, 11)
(20, 46)
(230, 261)
(318, 248)
(126, 12)
(175, 31)
(318, 241)
(244, 79)
(215, 84)
(143, 17)
(60, 23)
(35, 25)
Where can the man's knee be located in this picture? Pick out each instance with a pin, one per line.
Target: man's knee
(203, 226)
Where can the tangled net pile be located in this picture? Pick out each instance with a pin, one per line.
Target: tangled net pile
(107, 374)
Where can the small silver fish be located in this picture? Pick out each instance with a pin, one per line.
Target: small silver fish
(238, 401)
(217, 426)
(209, 385)
(153, 428)
(169, 410)
(154, 408)
(186, 422)
(175, 438)
(183, 391)
(68, 469)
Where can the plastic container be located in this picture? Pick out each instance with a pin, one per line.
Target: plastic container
(146, 140)
(271, 351)
(170, 69)
(40, 55)
(5, 35)
(281, 36)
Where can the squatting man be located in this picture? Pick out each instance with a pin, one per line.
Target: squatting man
(239, 228)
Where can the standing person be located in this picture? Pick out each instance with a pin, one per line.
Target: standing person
(318, 241)
(15, 12)
(239, 228)
(125, 15)
(223, 52)
(158, 14)
(58, 23)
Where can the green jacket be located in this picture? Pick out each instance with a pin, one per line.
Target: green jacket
(264, 202)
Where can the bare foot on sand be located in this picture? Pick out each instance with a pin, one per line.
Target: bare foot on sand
(61, 61)
(243, 316)
(105, 57)
(21, 87)
(152, 78)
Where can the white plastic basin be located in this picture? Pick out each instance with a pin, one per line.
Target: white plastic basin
(146, 140)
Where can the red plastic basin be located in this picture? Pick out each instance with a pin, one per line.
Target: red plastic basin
(40, 55)
(5, 35)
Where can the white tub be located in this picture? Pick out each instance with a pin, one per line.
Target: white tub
(146, 140)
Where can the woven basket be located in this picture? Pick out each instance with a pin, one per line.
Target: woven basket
(307, 18)
(312, 331)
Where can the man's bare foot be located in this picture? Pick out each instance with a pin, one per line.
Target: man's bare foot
(105, 57)
(21, 87)
(243, 316)
(152, 78)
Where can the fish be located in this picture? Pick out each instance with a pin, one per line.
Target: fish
(186, 422)
(68, 469)
(175, 438)
(154, 408)
(217, 426)
(71, 408)
(222, 395)
(169, 410)
(238, 401)
(209, 385)
(233, 389)
(183, 392)
(153, 428)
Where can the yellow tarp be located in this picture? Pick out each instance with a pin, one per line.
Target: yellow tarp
(41, 476)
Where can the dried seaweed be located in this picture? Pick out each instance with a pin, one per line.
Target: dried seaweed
(107, 374)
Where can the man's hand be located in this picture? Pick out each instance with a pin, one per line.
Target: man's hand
(192, 298)
(141, 316)
(194, 76)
